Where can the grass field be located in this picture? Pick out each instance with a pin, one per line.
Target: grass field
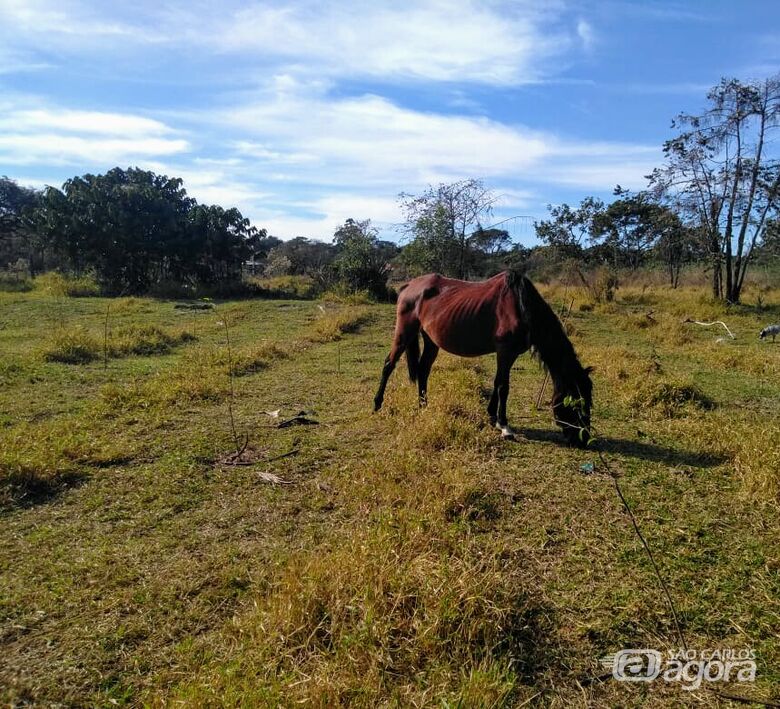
(409, 558)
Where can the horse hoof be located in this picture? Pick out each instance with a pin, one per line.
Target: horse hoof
(506, 431)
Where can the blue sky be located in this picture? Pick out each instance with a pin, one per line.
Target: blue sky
(305, 113)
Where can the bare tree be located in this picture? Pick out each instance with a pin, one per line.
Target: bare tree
(454, 209)
(722, 176)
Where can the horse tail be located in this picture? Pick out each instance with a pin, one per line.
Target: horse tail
(413, 354)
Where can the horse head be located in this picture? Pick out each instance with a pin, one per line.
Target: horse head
(572, 402)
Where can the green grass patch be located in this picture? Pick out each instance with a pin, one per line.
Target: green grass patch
(405, 558)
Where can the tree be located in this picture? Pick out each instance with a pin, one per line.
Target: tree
(306, 256)
(721, 177)
(362, 264)
(440, 221)
(490, 242)
(18, 239)
(569, 230)
(134, 228)
(676, 243)
(432, 247)
(224, 240)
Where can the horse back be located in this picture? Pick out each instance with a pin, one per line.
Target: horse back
(462, 317)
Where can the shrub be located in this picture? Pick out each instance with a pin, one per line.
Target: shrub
(14, 283)
(292, 287)
(54, 283)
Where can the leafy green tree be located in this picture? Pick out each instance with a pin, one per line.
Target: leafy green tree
(433, 247)
(362, 263)
(490, 242)
(306, 256)
(18, 239)
(569, 230)
(134, 228)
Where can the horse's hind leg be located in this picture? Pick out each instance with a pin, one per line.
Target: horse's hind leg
(401, 341)
(387, 370)
(430, 351)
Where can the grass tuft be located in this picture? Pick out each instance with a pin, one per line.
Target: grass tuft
(334, 325)
(672, 399)
(757, 462)
(76, 345)
(39, 459)
(72, 346)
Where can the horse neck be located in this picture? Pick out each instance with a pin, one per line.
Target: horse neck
(548, 338)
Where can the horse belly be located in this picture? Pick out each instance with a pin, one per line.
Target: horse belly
(465, 338)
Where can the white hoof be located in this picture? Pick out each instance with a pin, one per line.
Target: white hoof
(506, 431)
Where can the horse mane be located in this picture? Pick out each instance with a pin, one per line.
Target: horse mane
(549, 342)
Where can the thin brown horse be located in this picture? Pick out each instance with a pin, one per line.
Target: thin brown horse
(505, 315)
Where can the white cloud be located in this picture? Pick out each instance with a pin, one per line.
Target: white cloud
(586, 34)
(472, 42)
(308, 136)
(371, 141)
(497, 43)
(55, 136)
(302, 161)
(62, 20)
(92, 122)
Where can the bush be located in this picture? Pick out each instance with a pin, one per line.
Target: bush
(54, 283)
(292, 287)
(14, 283)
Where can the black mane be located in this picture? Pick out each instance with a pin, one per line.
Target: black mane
(553, 348)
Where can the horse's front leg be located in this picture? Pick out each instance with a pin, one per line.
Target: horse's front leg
(492, 408)
(504, 361)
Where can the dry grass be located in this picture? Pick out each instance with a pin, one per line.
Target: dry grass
(57, 284)
(72, 346)
(254, 358)
(757, 461)
(332, 325)
(672, 399)
(399, 609)
(191, 381)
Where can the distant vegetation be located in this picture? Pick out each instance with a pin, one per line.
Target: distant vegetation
(712, 207)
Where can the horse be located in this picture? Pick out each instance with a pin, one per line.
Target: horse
(504, 315)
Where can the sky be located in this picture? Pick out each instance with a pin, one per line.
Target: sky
(303, 114)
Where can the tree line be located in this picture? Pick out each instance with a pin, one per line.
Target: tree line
(131, 229)
(713, 202)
